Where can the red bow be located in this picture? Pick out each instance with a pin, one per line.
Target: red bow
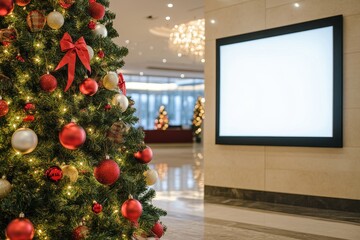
(71, 49)
(121, 84)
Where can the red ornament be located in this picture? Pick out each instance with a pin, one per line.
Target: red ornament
(97, 208)
(7, 36)
(132, 210)
(107, 172)
(107, 107)
(89, 87)
(20, 58)
(54, 174)
(158, 229)
(96, 10)
(121, 83)
(48, 83)
(101, 54)
(80, 233)
(4, 108)
(72, 50)
(22, 3)
(20, 229)
(6, 7)
(36, 20)
(66, 3)
(144, 156)
(72, 136)
(92, 25)
(29, 108)
(29, 118)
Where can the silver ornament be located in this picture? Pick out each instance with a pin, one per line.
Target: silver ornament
(24, 140)
(111, 81)
(100, 30)
(121, 100)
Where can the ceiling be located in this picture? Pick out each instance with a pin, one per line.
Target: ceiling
(135, 19)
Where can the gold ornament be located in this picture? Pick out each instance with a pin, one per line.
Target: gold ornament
(55, 20)
(121, 100)
(24, 140)
(5, 187)
(151, 177)
(71, 172)
(111, 81)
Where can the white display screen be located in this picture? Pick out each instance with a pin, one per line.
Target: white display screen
(277, 86)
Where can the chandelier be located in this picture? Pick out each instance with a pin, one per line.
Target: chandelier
(189, 39)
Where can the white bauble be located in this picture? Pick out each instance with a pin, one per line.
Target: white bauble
(121, 100)
(100, 30)
(151, 177)
(24, 140)
(5, 187)
(90, 51)
(55, 20)
(111, 81)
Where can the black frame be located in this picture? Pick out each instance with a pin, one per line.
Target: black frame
(337, 139)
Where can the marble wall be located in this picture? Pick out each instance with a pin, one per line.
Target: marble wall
(327, 172)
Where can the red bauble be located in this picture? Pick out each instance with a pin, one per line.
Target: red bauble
(101, 54)
(20, 229)
(4, 108)
(29, 108)
(54, 173)
(107, 107)
(29, 118)
(80, 233)
(48, 83)
(72, 136)
(158, 229)
(132, 210)
(89, 87)
(36, 20)
(20, 58)
(6, 7)
(22, 3)
(144, 156)
(96, 10)
(107, 172)
(97, 208)
(92, 25)
(66, 3)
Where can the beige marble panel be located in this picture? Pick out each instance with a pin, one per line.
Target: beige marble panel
(241, 18)
(352, 127)
(276, 3)
(216, 4)
(351, 80)
(310, 10)
(234, 166)
(318, 183)
(352, 33)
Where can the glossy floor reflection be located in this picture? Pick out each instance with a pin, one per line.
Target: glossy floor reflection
(180, 191)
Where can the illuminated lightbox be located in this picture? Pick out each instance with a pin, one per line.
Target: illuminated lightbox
(281, 86)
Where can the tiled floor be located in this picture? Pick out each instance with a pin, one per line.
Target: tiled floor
(180, 190)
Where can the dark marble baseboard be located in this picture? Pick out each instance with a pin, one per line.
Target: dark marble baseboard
(307, 201)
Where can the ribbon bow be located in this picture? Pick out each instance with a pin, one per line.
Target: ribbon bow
(122, 84)
(72, 50)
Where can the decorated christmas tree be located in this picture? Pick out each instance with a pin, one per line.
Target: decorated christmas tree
(198, 117)
(162, 120)
(72, 163)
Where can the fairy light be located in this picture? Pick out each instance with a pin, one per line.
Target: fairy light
(81, 163)
(69, 187)
(17, 118)
(65, 109)
(31, 160)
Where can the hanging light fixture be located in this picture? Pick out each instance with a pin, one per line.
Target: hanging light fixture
(189, 38)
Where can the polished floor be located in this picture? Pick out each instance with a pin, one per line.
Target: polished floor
(180, 191)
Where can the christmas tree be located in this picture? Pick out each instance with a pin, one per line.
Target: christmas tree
(73, 164)
(162, 120)
(199, 115)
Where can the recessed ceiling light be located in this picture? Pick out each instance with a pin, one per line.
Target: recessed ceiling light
(140, 53)
(212, 21)
(170, 5)
(151, 47)
(141, 73)
(179, 55)
(182, 75)
(296, 5)
(203, 60)
(167, 18)
(164, 60)
(127, 41)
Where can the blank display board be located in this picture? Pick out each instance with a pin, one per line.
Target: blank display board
(281, 86)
